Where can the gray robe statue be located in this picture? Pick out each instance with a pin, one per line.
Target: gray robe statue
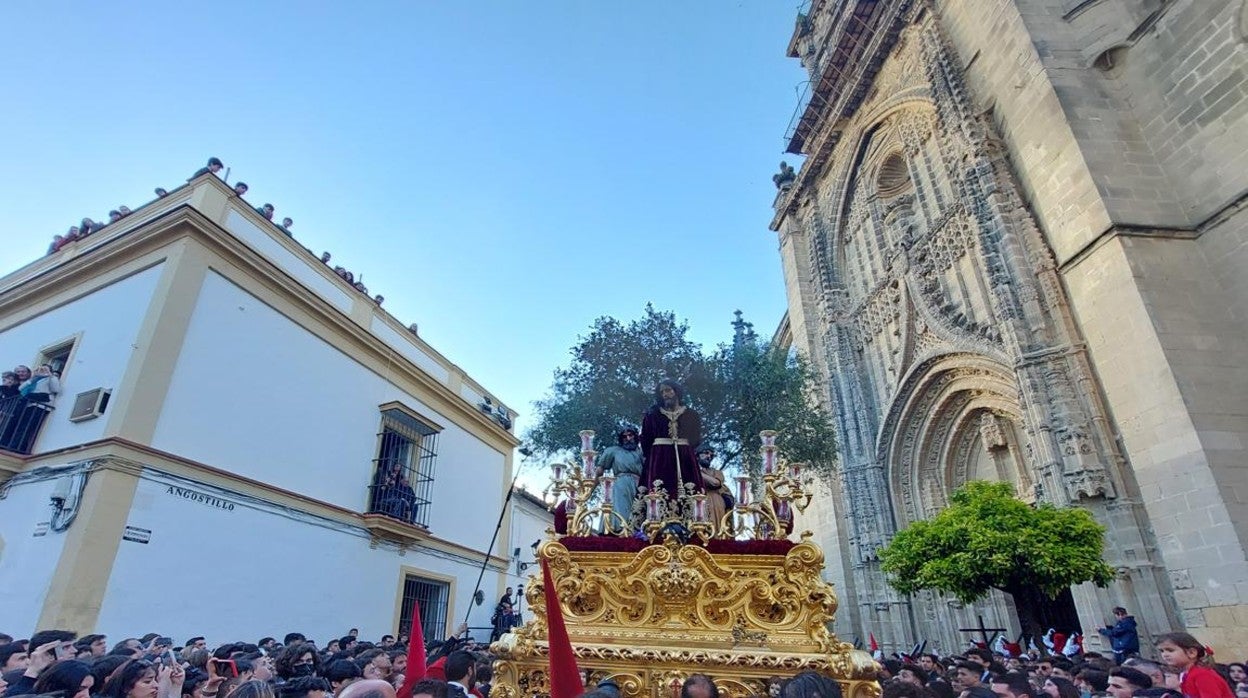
(626, 466)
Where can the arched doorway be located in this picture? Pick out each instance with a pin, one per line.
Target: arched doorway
(958, 418)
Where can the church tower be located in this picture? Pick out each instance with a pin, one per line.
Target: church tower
(1016, 247)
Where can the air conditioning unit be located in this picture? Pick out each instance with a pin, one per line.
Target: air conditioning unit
(90, 404)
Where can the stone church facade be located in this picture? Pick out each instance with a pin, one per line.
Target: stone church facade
(1018, 250)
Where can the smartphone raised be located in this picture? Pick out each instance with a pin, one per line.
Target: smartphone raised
(224, 667)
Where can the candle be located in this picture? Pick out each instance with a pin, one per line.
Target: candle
(589, 458)
(768, 437)
(743, 490)
(782, 511)
(607, 483)
(795, 469)
(587, 440)
(769, 460)
(558, 468)
(652, 508)
(699, 508)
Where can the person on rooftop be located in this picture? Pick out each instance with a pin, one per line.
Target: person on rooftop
(266, 211)
(240, 188)
(114, 216)
(214, 166)
(161, 192)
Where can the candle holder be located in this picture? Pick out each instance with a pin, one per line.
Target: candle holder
(574, 483)
(782, 492)
(701, 526)
(608, 487)
(768, 517)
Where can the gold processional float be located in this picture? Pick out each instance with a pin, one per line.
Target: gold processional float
(670, 593)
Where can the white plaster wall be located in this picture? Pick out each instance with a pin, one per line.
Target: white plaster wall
(256, 394)
(291, 263)
(528, 523)
(249, 572)
(109, 321)
(27, 561)
(407, 348)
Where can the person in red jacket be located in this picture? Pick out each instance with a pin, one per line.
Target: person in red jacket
(1197, 679)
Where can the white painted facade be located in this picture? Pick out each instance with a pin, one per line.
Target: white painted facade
(29, 554)
(104, 323)
(530, 520)
(240, 444)
(288, 571)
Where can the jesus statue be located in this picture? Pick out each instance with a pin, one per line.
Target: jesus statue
(669, 431)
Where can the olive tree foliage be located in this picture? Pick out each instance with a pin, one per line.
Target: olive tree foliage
(739, 389)
(987, 539)
(765, 387)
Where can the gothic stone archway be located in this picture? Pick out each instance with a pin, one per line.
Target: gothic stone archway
(958, 418)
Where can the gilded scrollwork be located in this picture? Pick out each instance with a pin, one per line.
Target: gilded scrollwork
(660, 614)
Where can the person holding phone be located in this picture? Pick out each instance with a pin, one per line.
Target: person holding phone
(136, 678)
(49, 646)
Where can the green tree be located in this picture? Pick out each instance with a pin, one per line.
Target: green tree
(611, 379)
(766, 387)
(740, 389)
(987, 539)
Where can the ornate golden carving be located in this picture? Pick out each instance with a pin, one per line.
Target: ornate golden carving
(649, 618)
(655, 515)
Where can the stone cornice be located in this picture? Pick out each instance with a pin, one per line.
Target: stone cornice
(40, 283)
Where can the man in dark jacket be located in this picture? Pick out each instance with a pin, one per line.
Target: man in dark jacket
(1124, 637)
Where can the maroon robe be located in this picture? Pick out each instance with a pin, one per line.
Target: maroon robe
(661, 458)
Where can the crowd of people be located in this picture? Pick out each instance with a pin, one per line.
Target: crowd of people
(61, 664)
(26, 398)
(1183, 668)
(88, 226)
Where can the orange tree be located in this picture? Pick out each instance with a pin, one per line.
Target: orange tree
(987, 539)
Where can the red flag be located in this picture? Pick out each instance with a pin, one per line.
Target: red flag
(415, 654)
(874, 645)
(565, 675)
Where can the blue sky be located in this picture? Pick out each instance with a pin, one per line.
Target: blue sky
(503, 172)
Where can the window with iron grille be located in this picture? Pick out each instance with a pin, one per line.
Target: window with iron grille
(402, 484)
(433, 597)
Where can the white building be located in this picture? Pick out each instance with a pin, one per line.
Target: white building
(230, 410)
(530, 523)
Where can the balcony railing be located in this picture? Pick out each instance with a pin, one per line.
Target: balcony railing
(402, 485)
(20, 422)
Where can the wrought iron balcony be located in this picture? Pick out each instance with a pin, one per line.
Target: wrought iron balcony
(20, 422)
